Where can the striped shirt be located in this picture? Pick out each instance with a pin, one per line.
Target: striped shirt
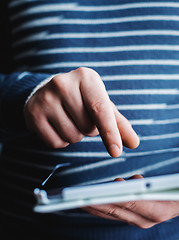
(134, 46)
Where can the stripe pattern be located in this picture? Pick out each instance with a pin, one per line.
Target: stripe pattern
(135, 49)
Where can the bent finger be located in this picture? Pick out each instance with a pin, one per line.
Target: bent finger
(74, 104)
(64, 125)
(97, 213)
(48, 134)
(155, 211)
(136, 176)
(128, 135)
(124, 215)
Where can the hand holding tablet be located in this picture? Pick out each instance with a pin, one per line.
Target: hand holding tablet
(120, 200)
(152, 188)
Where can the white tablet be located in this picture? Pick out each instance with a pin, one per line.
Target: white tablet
(164, 187)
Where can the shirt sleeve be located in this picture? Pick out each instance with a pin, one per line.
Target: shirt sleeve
(15, 88)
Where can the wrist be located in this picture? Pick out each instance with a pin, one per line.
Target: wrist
(41, 84)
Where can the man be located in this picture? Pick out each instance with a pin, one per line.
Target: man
(78, 68)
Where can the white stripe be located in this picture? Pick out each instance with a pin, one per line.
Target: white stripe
(76, 169)
(25, 54)
(85, 21)
(147, 106)
(159, 137)
(70, 50)
(154, 122)
(92, 139)
(146, 153)
(103, 163)
(89, 154)
(42, 8)
(74, 7)
(140, 77)
(46, 35)
(38, 86)
(131, 154)
(151, 167)
(144, 92)
(108, 49)
(61, 21)
(92, 166)
(38, 23)
(166, 121)
(111, 161)
(142, 138)
(65, 154)
(166, 62)
(141, 171)
(84, 154)
(21, 75)
(17, 3)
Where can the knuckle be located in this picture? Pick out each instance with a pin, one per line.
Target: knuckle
(82, 70)
(88, 74)
(56, 80)
(58, 144)
(75, 138)
(113, 212)
(34, 114)
(98, 107)
(131, 205)
(46, 98)
(86, 71)
(83, 73)
(60, 83)
(108, 133)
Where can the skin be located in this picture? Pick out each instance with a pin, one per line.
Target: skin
(51, 114)
(143, 214)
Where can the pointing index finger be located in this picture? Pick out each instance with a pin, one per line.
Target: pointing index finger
(101, 111)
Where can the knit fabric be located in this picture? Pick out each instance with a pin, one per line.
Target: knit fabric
(133, 45)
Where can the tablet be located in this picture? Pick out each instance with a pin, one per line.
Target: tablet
(165, 187)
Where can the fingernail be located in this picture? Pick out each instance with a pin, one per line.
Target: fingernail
(115, 151)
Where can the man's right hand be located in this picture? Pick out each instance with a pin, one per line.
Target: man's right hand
(73, 105)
